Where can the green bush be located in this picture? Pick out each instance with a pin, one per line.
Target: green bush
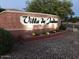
(62, 27)
(6, 42)
(43, 32)
(35, 33)
(38, 33)
(47, 33)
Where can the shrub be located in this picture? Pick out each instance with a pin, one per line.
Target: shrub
(62, 27)
(43, 32)
(47, 33)
(35, 33)
(38, 33)
(53, 31)
(6, 41)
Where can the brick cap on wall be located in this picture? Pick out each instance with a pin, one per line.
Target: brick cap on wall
(14, 11)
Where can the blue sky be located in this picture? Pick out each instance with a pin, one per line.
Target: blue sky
(20, 4)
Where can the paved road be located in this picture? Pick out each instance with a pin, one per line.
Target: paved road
(71, 26)
(66, 47)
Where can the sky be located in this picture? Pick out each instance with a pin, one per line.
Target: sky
(76, 7)
(20, 4)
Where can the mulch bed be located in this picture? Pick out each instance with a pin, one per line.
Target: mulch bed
(44, 37)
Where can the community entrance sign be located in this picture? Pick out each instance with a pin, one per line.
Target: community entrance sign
(25, 20)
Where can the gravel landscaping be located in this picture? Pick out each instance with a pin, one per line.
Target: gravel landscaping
(65, 47)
